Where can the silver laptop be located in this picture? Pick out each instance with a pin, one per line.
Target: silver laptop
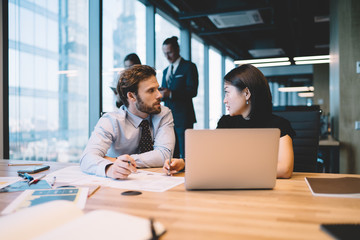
(231, 158)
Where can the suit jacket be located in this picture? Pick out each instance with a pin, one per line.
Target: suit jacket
(183, 88)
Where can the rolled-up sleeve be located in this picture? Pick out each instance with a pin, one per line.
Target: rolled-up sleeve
(92, 160)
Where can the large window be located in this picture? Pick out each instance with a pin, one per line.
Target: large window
(197, 56)
(215, 86)
(48, 79)
(123, 33)
(229, 65)
(163, 30)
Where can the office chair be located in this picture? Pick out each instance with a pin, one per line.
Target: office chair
(306, 124)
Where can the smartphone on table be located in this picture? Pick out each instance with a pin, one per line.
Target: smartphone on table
(34, 169)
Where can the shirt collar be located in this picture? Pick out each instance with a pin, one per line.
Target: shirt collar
(176, 64)
(135, 120)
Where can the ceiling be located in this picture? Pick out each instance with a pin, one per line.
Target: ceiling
(266, 28)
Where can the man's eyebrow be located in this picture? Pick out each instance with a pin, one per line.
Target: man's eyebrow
(152, 88)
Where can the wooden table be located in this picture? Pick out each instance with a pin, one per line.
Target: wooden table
(289, 211)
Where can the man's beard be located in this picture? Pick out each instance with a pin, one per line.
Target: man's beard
(142, 107)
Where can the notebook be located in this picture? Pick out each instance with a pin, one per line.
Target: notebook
(231, 158)
(348, 187)
(59, 220)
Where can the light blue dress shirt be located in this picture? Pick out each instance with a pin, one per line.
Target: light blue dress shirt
(118, 133)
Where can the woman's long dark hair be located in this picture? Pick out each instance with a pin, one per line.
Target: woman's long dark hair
(133, 58)
(248, 76)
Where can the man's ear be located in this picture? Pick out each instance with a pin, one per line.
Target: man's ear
(131, 96)
(247, 93)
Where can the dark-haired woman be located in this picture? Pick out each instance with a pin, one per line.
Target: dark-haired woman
(249, 102)
(131, 59)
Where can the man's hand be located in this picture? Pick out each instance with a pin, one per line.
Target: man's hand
(122, 167)
(177, 164)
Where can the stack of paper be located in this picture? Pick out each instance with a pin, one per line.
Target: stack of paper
(64, 220)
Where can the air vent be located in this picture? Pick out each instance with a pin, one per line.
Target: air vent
(268, 52)
(236, 19)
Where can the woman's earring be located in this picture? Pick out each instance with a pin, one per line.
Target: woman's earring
(247, 102)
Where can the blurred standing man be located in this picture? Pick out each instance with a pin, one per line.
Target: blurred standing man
(179, 85)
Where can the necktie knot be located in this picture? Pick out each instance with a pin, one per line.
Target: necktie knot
(144, 124)
(145, 144)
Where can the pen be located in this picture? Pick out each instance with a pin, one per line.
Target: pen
(152, 229)
(34, 181)
(129, 162)
(26, 176)
(94, 191)
(169, 169)
(53, 182)
(24, 164)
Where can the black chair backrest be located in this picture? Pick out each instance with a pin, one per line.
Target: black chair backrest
(306, 125)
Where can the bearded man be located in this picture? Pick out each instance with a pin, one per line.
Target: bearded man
(139, 134)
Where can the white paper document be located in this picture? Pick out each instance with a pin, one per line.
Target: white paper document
(5, 181)
(59, 220)
(141, 181)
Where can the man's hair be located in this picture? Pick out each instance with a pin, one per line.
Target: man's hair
(173, 41)
(248, 76)
(129, 80)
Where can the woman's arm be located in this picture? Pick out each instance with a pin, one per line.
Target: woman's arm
(286, 157)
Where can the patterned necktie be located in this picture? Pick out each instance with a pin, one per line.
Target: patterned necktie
(145, 143)
(171, 77)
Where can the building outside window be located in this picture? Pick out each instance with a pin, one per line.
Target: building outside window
(48, 79)
(124, 32)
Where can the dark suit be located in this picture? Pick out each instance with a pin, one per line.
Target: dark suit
(183, 87)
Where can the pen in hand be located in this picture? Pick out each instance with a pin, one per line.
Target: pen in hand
(169, 169)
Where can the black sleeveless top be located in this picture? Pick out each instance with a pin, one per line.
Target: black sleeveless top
(226, 121)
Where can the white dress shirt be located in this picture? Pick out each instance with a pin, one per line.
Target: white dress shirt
(118, 133)
(175, 64)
